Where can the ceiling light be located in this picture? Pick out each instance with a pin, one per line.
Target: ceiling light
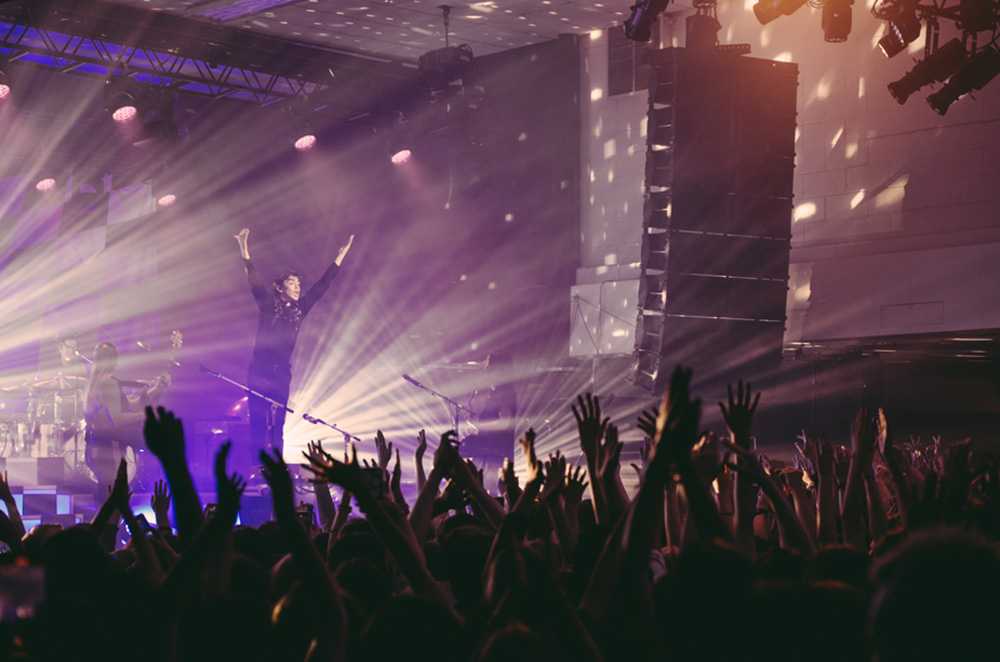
(902, 30)
(837, 20)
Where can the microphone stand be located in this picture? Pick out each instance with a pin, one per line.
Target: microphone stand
(275, 405)
(456, 407)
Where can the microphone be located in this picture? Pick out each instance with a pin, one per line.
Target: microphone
(412, 381)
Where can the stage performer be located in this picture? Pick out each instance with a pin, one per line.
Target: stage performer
(114, 420)
(282, 309)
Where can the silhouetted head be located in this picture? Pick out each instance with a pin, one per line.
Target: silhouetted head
(105, 358)
(932, 599)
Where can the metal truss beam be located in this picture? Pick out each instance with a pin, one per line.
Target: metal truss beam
(95, 38)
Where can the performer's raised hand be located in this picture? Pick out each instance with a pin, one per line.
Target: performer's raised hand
(344, 250)
(243, 238)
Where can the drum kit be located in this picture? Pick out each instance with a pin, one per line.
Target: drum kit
(44, 418)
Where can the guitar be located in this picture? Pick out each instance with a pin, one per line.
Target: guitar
(105, 447)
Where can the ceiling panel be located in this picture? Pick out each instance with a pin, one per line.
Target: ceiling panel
(403, 28)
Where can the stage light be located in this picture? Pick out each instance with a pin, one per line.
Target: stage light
(639, 24)
(123, 107)
(166, 200)
(974, 75)
(305, 142)
(45, 185)
(5, 88)
(401, 157)
(936, 67)
(837, 20)
(902, 30)
(768, 10)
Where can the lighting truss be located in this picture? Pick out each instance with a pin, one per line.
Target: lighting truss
(95, 38)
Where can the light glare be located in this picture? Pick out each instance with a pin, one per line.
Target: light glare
(4, 91)
(401, 157)
(124, 114)
(305, 143)
(166, 200)
(46, 184)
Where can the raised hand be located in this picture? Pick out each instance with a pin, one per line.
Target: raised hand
(344, 250)
(678, 420)
(242, 239)
(647, 423)
(587, 412)
(316, 447)
(160, 503)
(383, 450)
(527, 443)
(507, 482)
(739, 412)
(610, 453)
(5, 494)
(421, 445)
(120, 494)
(576, 484)
(346, 474)
(396, 483)
(228, 487)
(280, 481)
(555, 476)
(164, 434)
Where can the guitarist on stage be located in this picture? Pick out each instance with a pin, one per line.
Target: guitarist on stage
(114, 421)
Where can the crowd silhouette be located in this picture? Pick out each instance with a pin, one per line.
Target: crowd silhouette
(883, 549)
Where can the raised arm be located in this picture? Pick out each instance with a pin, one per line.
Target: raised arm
(257, 288)
(164, 435)
(317, 291)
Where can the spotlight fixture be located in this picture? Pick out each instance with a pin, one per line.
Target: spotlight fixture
(401, 157)
(973, 75)
(639, 24)
(123, 107)
(5, 88)
(768, 10)
(305, 142)
(903, 28)
(837, 20)
(934, 68)
(45, 185)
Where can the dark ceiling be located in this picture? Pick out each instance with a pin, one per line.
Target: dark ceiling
(402, 29)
